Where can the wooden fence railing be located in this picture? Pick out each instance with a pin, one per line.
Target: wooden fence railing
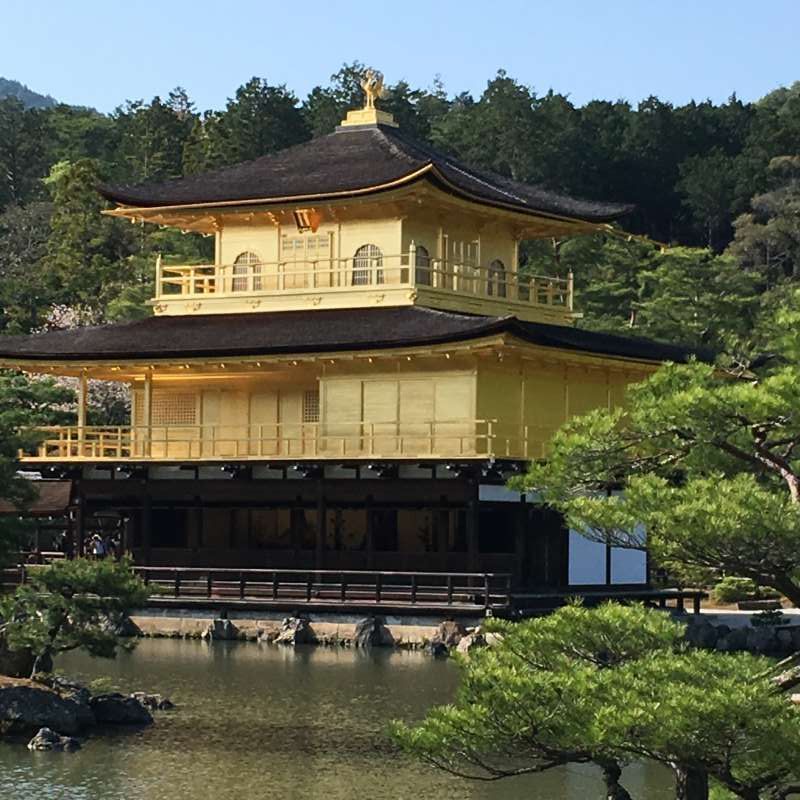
(331, 587)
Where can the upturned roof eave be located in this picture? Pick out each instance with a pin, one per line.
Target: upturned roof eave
(428, 171)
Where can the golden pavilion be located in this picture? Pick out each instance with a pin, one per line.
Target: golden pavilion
(351, 382)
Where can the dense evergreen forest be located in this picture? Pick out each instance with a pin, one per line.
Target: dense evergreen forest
(719, 184)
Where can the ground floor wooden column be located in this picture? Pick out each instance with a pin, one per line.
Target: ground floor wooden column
(79, 528)
(370, 534)
(147, 523)
(473, 524)
(319, 550)
(521, 528)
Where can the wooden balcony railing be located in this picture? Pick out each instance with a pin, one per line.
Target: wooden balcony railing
(359, 274)
(476, 590)
(289, 441)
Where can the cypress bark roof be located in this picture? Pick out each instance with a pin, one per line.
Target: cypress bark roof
(355, 160)
(297, 332)
(51, 498)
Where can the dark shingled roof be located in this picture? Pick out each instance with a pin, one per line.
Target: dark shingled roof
(296, 332)
(352, 160)
(52, 498)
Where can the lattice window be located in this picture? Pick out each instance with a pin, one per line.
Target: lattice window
(311, 406)
(174, 408)
(246, 264)
(367, 265)
(305, 248)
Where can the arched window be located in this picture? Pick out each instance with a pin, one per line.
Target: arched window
(422, 265)
(496, 283)
(245, 265)
(367, 265)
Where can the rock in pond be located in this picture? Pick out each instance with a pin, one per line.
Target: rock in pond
(47, 739)
(438, 649)
(450, 633)
(25, 707)
(372, 632)
(472, 640)
(117, 709)
(222, 630)
(153, 702)
(295, 630)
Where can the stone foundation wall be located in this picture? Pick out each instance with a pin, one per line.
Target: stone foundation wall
(328, 629)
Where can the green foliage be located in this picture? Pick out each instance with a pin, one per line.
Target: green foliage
(69, 605)
(610, 685)
(85, 247)
(24, 299)
(22, 151)
(24, 404)
(731, 589)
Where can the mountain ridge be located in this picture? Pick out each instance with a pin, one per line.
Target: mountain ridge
(29, 98)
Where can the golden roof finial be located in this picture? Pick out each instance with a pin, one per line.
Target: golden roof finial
(372, 84)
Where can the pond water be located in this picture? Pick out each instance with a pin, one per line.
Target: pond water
(264, 722)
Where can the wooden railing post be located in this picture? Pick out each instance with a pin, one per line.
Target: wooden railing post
(487, 598)
(343, 587)
(209, 584)
(177, 583)
(378, 586)
(570, 290)
(274, 585)
(449, 590)
(414, 588)
(159, 277)
(241, 585)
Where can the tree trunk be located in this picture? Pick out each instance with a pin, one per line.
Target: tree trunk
(612, 772)
(690, 784)
(787, 587)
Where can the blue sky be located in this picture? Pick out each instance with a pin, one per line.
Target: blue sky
(100, 53)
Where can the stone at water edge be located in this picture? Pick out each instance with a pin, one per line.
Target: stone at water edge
(471, 641)
(438, 649)
(116, 709)
(26, 707)
(153, 702)
(450, 633)
(295, 630)
(47, 739)
(372, 632)
(222, 630)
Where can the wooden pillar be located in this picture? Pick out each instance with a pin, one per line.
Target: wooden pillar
(473, 523)
(521, 526)
(198, 522)
(147, 522)
(319, 552)
(80, 521)
(83, 393)
(147, 412)
(370, 543)
(125, 541)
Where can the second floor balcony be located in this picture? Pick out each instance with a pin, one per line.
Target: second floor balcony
(460, 439)
(365, 280)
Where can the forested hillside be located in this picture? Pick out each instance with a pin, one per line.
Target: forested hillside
(29, 98)
(720, 184)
